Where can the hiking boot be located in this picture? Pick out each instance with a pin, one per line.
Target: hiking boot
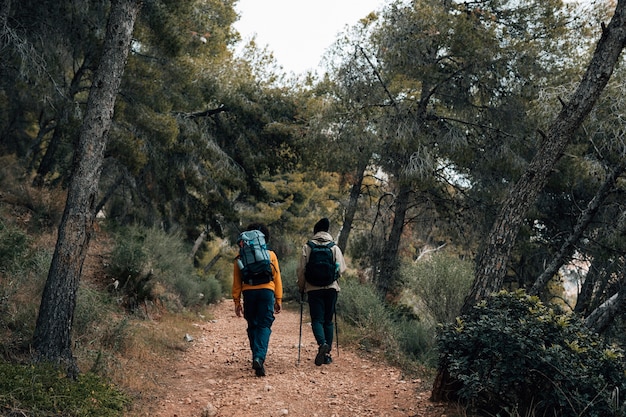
(257, 365)
(328, 359)
(321, 354)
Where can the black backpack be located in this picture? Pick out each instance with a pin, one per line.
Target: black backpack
(320, 269)
(254, 258)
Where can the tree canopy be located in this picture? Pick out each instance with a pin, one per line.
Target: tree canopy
(489, 130)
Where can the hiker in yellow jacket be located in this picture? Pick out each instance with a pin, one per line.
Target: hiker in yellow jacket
(260, 303)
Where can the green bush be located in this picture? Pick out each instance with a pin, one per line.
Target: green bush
(440, 283)
(416, 340)
(290, 280)
(379, 326)
(13, 246)
(22, 276)
(150, 264)
(97, 330)
(129, 256)
(512, 353)
(360, 306)
(42, 391)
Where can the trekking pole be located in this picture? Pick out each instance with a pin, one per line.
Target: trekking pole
(336, 332)
(300, 339)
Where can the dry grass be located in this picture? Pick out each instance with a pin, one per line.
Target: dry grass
(150, 350)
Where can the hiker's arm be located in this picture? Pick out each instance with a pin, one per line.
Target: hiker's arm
(237, 284)
(340, 260)
(278, 282)
(300, 269)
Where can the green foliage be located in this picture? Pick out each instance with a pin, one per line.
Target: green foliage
(150, 264)
(513, 353)
(416, 340)
(360, 306)
(298, 200)
(440, 284)
(94, 320)
(378, 326)
(13, 246)
(288, 275)
(42, 391)
(22, 275)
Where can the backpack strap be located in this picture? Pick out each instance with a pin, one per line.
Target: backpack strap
(330, 245)
(313, 244)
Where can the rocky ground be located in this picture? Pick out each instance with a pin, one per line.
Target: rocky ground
(214, 377)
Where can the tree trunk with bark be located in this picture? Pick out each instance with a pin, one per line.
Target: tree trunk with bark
(63, 118)
(355, 193)
(52, 337)
(493, 260)
(388, 266)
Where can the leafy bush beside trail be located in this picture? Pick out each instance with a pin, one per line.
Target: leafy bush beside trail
(512, 354)
(150, 264)
(437, 286)
(376, 325)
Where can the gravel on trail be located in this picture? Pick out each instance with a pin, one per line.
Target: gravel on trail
(214, 377)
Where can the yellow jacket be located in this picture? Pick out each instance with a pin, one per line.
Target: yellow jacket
(275, 285)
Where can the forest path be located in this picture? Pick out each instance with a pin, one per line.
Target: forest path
(214, 377)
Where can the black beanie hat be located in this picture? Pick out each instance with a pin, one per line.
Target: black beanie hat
(322, 226)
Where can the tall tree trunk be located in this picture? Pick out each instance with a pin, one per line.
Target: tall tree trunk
(63, 118)
(594, 287)
(585, 296)
(492, 261)
(52, 337)
(389, 260)
(47, 161)
(581, 225)
(355, 193)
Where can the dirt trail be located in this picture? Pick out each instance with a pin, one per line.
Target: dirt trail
(214, 377)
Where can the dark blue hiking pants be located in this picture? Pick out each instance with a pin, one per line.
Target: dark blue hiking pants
(322, 308)
(258, 310)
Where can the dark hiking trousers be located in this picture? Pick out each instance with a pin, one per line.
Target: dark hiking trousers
(258, 310)
(322, 308)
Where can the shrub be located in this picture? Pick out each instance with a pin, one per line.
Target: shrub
(97, 330)
(150, 264)
(416, 340)
(360, 306)
(440, 282)
(378, 325)
(288, 274)
(13, 246)
(22, 277)
(129, 256)
(512, 352)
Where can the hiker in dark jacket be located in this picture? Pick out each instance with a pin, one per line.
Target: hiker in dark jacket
(322, 298)
(258, 306)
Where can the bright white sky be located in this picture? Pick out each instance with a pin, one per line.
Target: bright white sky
(299, 31)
